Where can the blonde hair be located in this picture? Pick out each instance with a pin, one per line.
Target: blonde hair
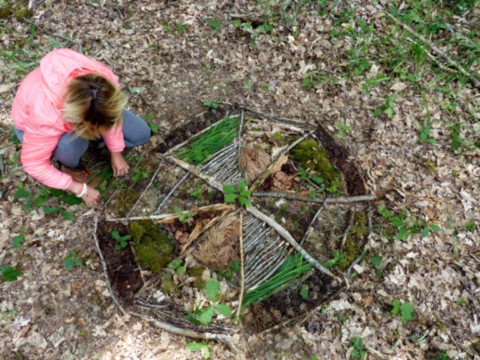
(92, 104)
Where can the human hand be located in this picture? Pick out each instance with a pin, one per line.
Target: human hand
(119, 165)
(90, 197)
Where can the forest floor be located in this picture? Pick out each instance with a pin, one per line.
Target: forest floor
(405, 101)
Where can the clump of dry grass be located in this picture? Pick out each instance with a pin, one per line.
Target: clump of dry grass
(218, 248)
(252, 162)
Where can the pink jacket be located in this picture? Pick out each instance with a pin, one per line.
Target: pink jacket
(37, 108)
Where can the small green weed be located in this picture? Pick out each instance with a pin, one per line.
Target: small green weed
(9, 274)
(359, 350)
(72, 260)
(185, 217)
(214, 25)
(406, 225)
(212, 104)
(120, 241)
(177, 266)
(228, 273)
(197, 192)
(203, 347)
(139, 175)
(18, 240)
(386, 107)
(405, 309)
(240, 194)
(343, 129)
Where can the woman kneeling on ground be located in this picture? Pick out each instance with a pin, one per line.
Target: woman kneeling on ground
(61, 105)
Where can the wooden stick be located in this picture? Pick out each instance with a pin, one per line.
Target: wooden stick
(185, 332)
(212, 182)
(242, 270)
(473, 78)
(338, 200)
(286, 235)
(175, 187)
(168, 217)
(145, 190)
(104, 265)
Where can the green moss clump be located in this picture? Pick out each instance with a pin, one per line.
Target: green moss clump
(197, 273)
(168, 285)
(123, 204)
(354, 241)
(314, 158)
(22, 14)
(5, 11)
(153, 249)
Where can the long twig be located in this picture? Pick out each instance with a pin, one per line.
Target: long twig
(168, 217)
(242, 270)
(310, 226)
(337, 200)
(473, 78)
(170, 193)
(104, 265)
(185, 332)
(286, 235)
(212, 182)
(145, 190)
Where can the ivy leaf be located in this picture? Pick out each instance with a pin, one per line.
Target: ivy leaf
(212, 289)
(21, 193)
(435, 228)
(425, 232)
(67, 215)
(396, 307)
(231, 198)
(229, 189)
(175, 264)
(396, 221)
(244, 202)
(407, 312)
(9, 273)
(17, 241)
(206, 315)
(71, 199)
(224, 310)
(304, 292)
(181, 270)
(51, 210)
(196, 346)
(403, 233)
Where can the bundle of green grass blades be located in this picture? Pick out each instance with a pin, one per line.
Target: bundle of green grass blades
(293, 267)
(211, 141)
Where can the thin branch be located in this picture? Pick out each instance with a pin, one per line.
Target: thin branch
(145, 190)
(286, 235)
(310, 226)
(184, 332)
(104, 265)
(242, 270)
(473, 78)
(170, 193)
(338, 200)
(169, 217)
(213, 183)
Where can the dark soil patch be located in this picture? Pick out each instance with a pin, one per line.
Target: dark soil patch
(289, 304)
(123, 271)
(339, 156)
